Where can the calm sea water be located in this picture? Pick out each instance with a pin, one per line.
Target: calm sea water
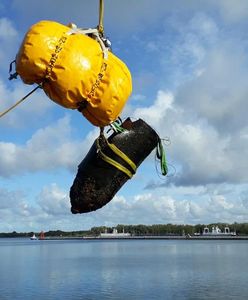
(145, 269)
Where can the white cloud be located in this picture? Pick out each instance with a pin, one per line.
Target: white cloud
(219, 93)
(53, 201)
(202, 154)
(233, 11)
(116, 12)
(156, 112)
(8, 198)
(138, 97)
(154, 209)
(206, 116)
(204, 27)
(7, 30)
(48, 149)
(9, 40)
(52, 210)
(26, 113)
(218, 203)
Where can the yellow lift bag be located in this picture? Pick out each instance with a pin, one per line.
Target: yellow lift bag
(75, 69)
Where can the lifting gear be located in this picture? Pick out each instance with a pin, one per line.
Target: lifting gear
(76, 69)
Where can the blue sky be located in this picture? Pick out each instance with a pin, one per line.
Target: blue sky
(189, 66)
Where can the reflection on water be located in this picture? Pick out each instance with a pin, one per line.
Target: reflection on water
(143, 269)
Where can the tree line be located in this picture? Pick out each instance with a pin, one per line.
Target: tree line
(138, 230)
(170, 229)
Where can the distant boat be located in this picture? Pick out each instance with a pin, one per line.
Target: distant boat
(42, 235)
(33, 237)
(115, 234)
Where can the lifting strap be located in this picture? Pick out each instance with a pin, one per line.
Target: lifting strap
(98, 33)
(20, 101)
(120, 154)
(160, 153)
(101, 13)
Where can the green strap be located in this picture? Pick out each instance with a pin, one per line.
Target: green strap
(161, 156)
(117, 127)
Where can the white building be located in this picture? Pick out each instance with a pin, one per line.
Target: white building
(216, 231)
(114, 234)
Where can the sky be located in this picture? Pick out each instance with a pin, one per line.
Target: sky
(189, 66)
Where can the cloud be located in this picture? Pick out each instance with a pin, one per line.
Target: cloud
(67, 12)
(161, 209)
(144, 15)
(15, 210)
(233, 11)
(29, 111)
(219, 93)
(49, 148)
(8, 198)
(138, 97)
(218, 203)
(7, 29)
(51, 210)
(116, 12)
(202, 154)
(147, 209)
(205, 115)
(157, 111)
(53, 201)
(8, 39)
(178, 60)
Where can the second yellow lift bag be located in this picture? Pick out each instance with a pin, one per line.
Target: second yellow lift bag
(74, 71)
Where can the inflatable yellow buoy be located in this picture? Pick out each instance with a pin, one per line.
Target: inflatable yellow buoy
(75, 70)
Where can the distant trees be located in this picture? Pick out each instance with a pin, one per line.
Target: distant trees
(169, 229)
(138, 230)
(14, 234)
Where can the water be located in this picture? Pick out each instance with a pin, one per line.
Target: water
(143, 269)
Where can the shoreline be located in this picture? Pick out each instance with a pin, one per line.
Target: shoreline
(144, 237)
(173, 237)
